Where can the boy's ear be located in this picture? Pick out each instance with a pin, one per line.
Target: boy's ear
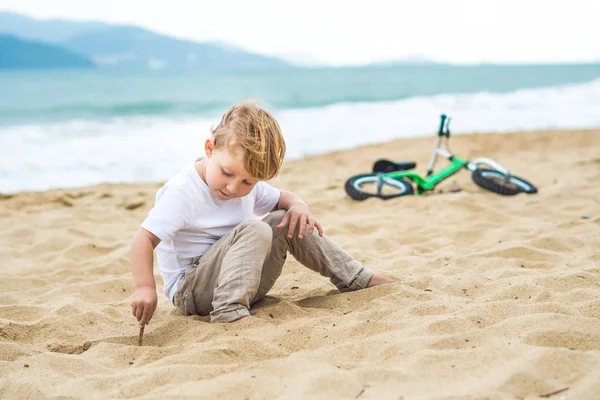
(209, 147)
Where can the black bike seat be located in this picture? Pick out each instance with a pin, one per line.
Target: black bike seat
(385, 166)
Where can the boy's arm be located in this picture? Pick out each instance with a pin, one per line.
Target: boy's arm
(297, 213)
(144, 301)
(288, 199)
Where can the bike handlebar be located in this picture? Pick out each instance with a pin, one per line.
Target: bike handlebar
(444, 123)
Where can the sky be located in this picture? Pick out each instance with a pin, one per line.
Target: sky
(332, 32)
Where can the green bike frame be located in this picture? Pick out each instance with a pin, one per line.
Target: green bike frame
(426, 184)
(433, 178)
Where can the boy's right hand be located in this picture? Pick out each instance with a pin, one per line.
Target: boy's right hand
(143, 304)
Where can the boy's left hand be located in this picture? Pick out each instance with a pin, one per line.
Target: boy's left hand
(299, 215)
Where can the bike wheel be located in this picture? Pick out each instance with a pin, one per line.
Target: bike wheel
(497, 182)
(361, 187)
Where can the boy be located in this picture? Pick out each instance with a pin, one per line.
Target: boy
(214, 258)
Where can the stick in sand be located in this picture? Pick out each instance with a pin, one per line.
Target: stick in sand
(140, 336)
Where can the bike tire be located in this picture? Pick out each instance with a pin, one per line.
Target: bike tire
(353, 187)
(497, 182)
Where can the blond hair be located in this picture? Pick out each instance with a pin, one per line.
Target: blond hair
(257, 133)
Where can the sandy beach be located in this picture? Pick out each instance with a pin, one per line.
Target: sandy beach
(497, 297)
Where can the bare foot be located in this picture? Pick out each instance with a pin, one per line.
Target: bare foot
(245, 320)
(379, 279)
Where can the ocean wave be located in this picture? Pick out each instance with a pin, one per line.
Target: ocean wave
(106, 111)
(63, 96)
(152, 148)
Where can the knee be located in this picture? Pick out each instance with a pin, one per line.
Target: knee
(273, 219)
(259, 230)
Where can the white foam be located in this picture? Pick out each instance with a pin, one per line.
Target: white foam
(38, 157)
(348, 125)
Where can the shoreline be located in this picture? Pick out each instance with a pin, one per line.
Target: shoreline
(392, 144)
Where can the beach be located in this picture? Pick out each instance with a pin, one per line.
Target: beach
(497, 297)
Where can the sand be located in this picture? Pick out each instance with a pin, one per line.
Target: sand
(498, 297)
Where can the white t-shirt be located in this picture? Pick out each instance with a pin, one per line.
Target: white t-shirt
(188, 218)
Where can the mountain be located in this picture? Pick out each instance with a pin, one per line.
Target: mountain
(18, 53)
(131, 47)
(52, 30)
(412, 60)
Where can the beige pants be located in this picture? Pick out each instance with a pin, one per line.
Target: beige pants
(241, 267)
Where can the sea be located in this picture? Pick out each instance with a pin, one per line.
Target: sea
(72, 128)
